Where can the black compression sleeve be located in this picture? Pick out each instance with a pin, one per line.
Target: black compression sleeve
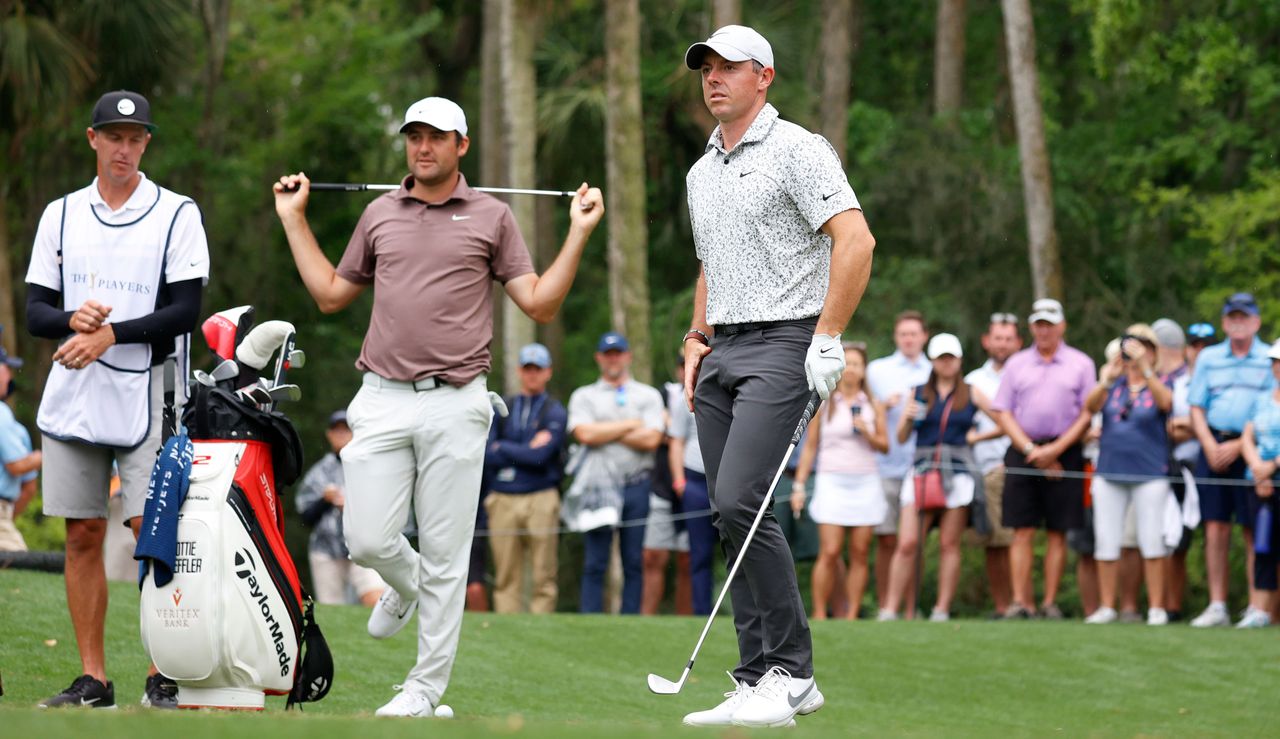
(45, 320)
(175, 319)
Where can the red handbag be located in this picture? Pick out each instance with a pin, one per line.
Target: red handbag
(931, 495)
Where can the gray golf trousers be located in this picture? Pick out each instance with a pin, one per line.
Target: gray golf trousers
(750, 394)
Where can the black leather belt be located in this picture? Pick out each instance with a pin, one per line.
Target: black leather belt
(729, 329)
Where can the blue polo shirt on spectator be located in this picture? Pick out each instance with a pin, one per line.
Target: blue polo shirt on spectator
(15, 444)
(517, 467)
(1225, 385)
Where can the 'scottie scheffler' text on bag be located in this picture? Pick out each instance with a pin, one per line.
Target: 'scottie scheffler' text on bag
(227, 617)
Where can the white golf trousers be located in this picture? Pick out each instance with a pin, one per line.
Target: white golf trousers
(428, 446)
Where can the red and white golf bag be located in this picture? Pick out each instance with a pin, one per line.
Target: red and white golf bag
(230, 625)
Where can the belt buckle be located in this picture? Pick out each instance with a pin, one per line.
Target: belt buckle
(429, 383)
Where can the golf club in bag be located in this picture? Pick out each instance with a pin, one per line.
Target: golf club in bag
(223, 612)
(663, 686)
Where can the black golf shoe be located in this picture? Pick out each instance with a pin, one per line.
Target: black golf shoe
(161, 692)
(85, 691)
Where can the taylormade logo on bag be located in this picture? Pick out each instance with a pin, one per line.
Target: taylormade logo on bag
(246, 569)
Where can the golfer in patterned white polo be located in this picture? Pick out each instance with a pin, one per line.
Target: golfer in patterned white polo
(785, 255)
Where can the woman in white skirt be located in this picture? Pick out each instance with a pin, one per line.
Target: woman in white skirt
(847, 497)
(939, 414)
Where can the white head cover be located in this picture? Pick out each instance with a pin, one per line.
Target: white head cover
(256, 349)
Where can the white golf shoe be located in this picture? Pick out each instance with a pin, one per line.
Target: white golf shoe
(406, 704)
(777, 698)
(1103, 615)
(721, 715)
(390, 614)
(1215, 615)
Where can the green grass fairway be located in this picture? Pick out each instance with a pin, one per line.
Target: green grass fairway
(568, 675)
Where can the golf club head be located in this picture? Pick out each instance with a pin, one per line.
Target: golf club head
(285, 392)
(226, 370)
(255, 394)
(297, 359)
(204, 378)
(663, 686)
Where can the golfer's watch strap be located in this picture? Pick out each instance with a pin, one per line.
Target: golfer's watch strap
(697, 336)
(1028, 447)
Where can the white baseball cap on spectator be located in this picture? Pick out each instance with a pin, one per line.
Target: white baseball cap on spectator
(1169, 334)
(1047, 310)
(735, 43)
(943, 344)
(438, 113)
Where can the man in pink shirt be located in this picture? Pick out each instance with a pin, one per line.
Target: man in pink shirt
(432, 250)
(1039, 407)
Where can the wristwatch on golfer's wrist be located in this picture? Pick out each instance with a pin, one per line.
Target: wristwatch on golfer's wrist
(697, 336)
(1028, 448)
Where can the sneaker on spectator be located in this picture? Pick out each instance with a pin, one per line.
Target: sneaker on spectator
(1103, 615)
(1157, 617)
(160, 692)
(1215, 615)
(1174, 616)
(1017, 610)
(406, 704)
(886, 615)
(390, 614)
(721, 715)
(1130, 617)
(1254, 619)
(86, 691)
(1051, 612)
(777, 698)
(939, 616)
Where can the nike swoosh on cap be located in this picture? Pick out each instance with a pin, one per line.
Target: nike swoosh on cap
(796, 700)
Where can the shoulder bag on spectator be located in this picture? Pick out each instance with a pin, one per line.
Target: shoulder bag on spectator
(931, 495)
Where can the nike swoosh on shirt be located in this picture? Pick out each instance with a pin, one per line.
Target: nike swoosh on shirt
(744, 174)
(457, 217)
(825, 198)
(796, 700)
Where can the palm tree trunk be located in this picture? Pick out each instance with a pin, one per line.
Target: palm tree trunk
(520, 112)
(837, 65)
(628, 244)
(948, 58)
(725, 12)
(1037, 181)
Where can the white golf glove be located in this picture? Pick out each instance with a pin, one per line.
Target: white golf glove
(499, 405)
(824, 364)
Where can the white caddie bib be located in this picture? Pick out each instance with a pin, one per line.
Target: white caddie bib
(122, 266)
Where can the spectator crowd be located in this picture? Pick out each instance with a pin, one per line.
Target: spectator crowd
(1176, 433)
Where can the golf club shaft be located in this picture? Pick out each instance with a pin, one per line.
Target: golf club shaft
(809, 410)
(360, 187)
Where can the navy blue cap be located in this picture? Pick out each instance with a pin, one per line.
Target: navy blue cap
(535, 354)
(613, 342)
(1242, 302)
(337, 417)
(122, 106)
(1201, 332)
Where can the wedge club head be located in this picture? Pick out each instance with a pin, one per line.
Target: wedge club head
(204, 378)
(225, 370)
(297, 359)
(663, 686)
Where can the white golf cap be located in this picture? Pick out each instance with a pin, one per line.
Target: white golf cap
(1048, 310)
(735, 43)
(438, 113)
(943, 344)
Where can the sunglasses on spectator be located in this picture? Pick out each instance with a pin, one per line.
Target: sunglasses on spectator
(1004, 318)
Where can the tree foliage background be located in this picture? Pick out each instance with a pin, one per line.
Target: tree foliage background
(1160, 121)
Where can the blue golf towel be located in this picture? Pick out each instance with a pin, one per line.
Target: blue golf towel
(158, 540)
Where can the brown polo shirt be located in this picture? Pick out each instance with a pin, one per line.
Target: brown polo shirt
(432, 266)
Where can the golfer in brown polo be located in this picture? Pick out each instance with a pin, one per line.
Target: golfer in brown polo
(431, 249)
